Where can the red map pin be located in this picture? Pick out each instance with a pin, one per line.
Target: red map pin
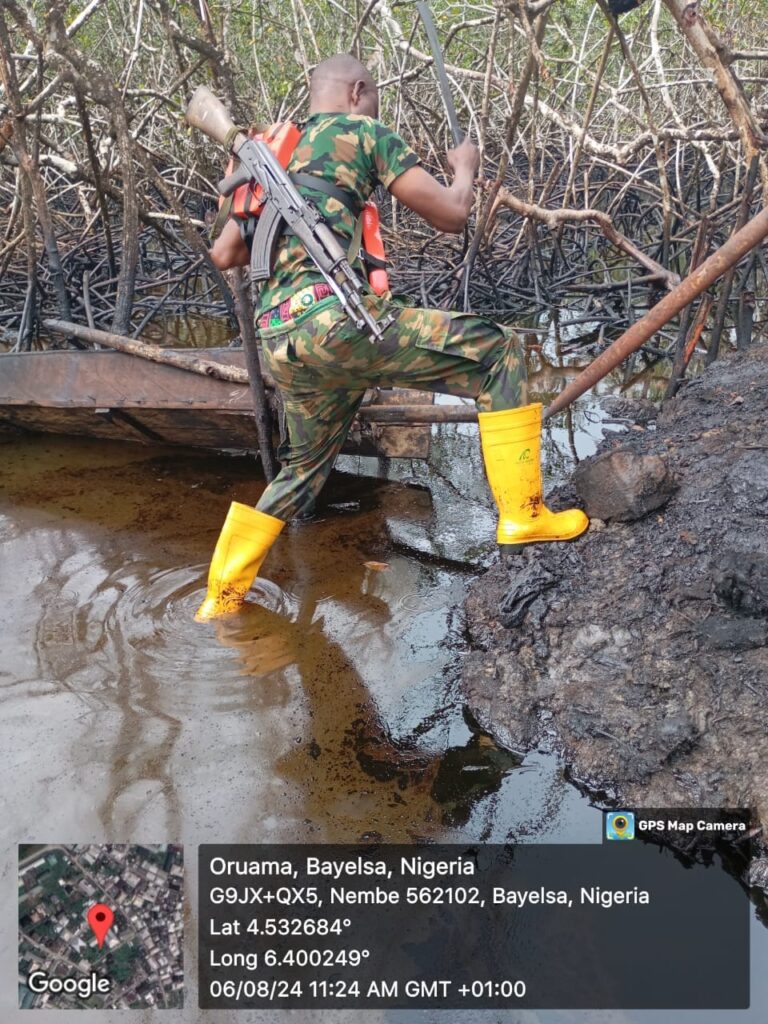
(100, 918)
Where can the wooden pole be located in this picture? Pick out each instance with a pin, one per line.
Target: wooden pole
(413, 414)
(728, 255)
(261, 411)
(134, 347)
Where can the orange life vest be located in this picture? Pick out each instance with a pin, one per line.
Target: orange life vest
(282, 139)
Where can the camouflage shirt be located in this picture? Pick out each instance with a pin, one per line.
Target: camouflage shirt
(352, 151)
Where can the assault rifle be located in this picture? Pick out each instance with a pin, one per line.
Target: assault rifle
(283, 205)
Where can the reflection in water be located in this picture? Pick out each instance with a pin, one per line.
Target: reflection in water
(326, 711)
(359, 779)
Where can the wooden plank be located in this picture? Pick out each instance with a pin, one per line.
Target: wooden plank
(110, 395)
(401, 442)
(209, 429)
(66, 379)
(198, 428)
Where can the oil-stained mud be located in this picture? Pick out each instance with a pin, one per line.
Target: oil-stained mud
(641, 648)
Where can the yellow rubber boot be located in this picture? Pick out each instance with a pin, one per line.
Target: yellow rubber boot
(511, 442)
(245, 539)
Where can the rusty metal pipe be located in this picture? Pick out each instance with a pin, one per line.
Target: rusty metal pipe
(729, 254)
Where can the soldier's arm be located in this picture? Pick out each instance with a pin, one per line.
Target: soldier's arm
(229, 250)
(444, 208)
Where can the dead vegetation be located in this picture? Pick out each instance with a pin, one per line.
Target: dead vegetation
(616, 152)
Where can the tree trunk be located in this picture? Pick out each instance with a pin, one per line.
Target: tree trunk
(715, 56)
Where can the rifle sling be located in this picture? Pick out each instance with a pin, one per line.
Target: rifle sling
(222, 216)
(312, 181)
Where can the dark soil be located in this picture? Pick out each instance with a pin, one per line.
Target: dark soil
(640, 649)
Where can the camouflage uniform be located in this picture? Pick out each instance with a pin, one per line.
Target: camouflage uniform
(323, 365)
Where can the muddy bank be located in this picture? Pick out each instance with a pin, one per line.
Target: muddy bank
(640, 649)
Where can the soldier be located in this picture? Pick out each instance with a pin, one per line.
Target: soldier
(323, 364)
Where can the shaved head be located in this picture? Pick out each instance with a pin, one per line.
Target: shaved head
(341, 84)
(342, 69)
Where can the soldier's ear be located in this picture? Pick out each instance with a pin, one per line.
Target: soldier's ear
(357, 91)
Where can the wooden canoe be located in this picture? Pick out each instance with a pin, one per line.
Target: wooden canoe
(110, 395)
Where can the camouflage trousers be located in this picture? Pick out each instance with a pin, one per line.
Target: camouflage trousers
(323, 365)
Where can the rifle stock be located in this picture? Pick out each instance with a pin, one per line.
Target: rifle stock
(209, 115)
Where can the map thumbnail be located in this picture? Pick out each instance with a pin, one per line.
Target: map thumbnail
(129, 955)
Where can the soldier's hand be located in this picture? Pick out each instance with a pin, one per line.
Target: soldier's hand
(465, 157)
